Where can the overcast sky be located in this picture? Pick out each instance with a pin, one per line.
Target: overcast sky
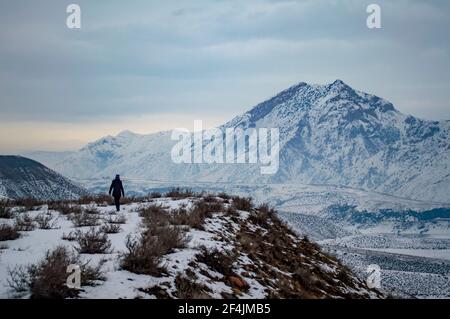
(152, 65)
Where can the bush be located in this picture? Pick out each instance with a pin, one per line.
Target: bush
(262, 214)
(5, 211)
(97, 199)
(242, 203)
(224, 196)
(8, 233)
(93, 242)
(45, 221)
(154, 214)
(64, 208)
(144, 253)
(24, 222)
(28, 204)
(221, 262)
(168, 238)
(111, 228)
(143, 256)
(70, 236)
(155, 195)
(189, 289)
(119, 219)
(48, 278)
(84, 219)
(91, 210)
(178, 193)
(194, 218)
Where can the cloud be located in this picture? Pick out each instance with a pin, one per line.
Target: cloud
(158, 57)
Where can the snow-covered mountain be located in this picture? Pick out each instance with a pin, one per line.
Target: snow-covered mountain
(21, 177)
(329, 134)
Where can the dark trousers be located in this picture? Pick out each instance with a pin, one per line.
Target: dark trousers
(117, 203)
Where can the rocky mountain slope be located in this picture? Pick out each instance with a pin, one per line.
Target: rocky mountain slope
(21, 177)
(329, 134)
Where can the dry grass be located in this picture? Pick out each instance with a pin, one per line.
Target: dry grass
(84, 219)
(116, 219)
(45, 221)
(242, 203)
(155, 215)
(5, 210)
(47, 279)
(111, 229)
(155, 195)
(28, 204)
(145, 252)
(179, 193)
(93, 242)
(64, 208)
(72, 236)
(8, 233)
(24, 222)
(219, 261)
(190, 289)
(143, 256)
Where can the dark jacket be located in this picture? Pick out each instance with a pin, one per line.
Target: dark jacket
(117, 188)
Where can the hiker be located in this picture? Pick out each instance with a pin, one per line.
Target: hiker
(117, 191)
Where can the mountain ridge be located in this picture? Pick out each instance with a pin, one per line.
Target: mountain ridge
(21, 177)
(329, 134)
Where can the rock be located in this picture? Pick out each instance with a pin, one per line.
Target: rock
(238, 282)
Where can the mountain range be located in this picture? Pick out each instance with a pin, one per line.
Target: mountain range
(329, 134)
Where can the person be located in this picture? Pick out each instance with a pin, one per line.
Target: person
(116, 190)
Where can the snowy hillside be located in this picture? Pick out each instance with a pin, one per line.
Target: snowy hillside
(329, 134)
(183, 246)
(21, 177)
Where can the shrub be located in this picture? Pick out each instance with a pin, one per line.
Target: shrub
(143, 256)
(178, 193)
(224, 196)
(48, 278)
(111, 228)
(119, 219)
(64, 208)
(24, 222)
(155, 195)
(45, 221)
(168, 238)
(304, 277)
(219, 261)
(144, 253)
(242, 203)
(97, 199)
(91, 210)
(28, 204)
(154, 214)
(195, 217)
(5, 211)
(70, 236)
(189, 289)
(8, 233)
(93, 242)
(262, 214)
(84, 219)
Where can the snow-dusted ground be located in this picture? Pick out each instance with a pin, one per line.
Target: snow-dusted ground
(221, 231)
(31, 247)
(304, 208)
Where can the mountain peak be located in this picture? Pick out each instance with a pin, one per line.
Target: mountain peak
(339, 85)
(126, 133)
